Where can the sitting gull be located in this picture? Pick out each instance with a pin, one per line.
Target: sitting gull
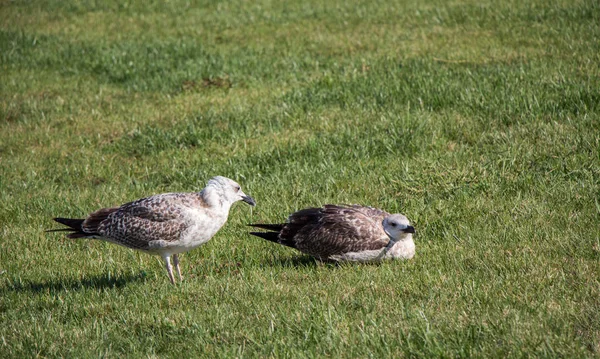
(344, 233)
(165, 224)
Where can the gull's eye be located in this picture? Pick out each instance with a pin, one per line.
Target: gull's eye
(393, 224)
(238, 188)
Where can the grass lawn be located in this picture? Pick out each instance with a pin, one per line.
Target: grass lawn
(479, 120)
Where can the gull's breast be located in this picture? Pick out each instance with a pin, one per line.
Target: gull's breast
(202, 226)
(362, 256)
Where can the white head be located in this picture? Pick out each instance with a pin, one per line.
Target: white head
(397, 227)
(224, 191)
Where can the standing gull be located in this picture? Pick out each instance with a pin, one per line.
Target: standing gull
(344, 233)
(165, 224)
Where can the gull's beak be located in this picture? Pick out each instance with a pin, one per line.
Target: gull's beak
(409, 229)
(249, 200)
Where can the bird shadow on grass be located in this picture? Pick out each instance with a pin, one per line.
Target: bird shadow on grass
(102, 281)
(310, 262)
(297, 262)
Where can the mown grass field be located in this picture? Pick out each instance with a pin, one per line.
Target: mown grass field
(480, 120)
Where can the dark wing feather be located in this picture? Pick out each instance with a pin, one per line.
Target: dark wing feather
(74, 225)
(272, 236)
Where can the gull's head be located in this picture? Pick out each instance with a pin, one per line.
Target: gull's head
(228, 191)
(397, 227)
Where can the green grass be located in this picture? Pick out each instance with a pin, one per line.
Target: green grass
(478, 120)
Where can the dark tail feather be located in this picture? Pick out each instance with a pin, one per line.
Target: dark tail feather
(74, 225)
(270, 227)
(273, 237)
(269, 236)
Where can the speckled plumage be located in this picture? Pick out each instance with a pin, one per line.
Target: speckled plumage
(164, 224)
(344, 233)
(142, 224)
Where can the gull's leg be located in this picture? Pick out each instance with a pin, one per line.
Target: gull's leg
(176, 263)
(385, 250)
(169, 268)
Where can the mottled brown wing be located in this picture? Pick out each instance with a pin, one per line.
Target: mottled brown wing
(138, 223)
(333, 230)
(374, 213)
